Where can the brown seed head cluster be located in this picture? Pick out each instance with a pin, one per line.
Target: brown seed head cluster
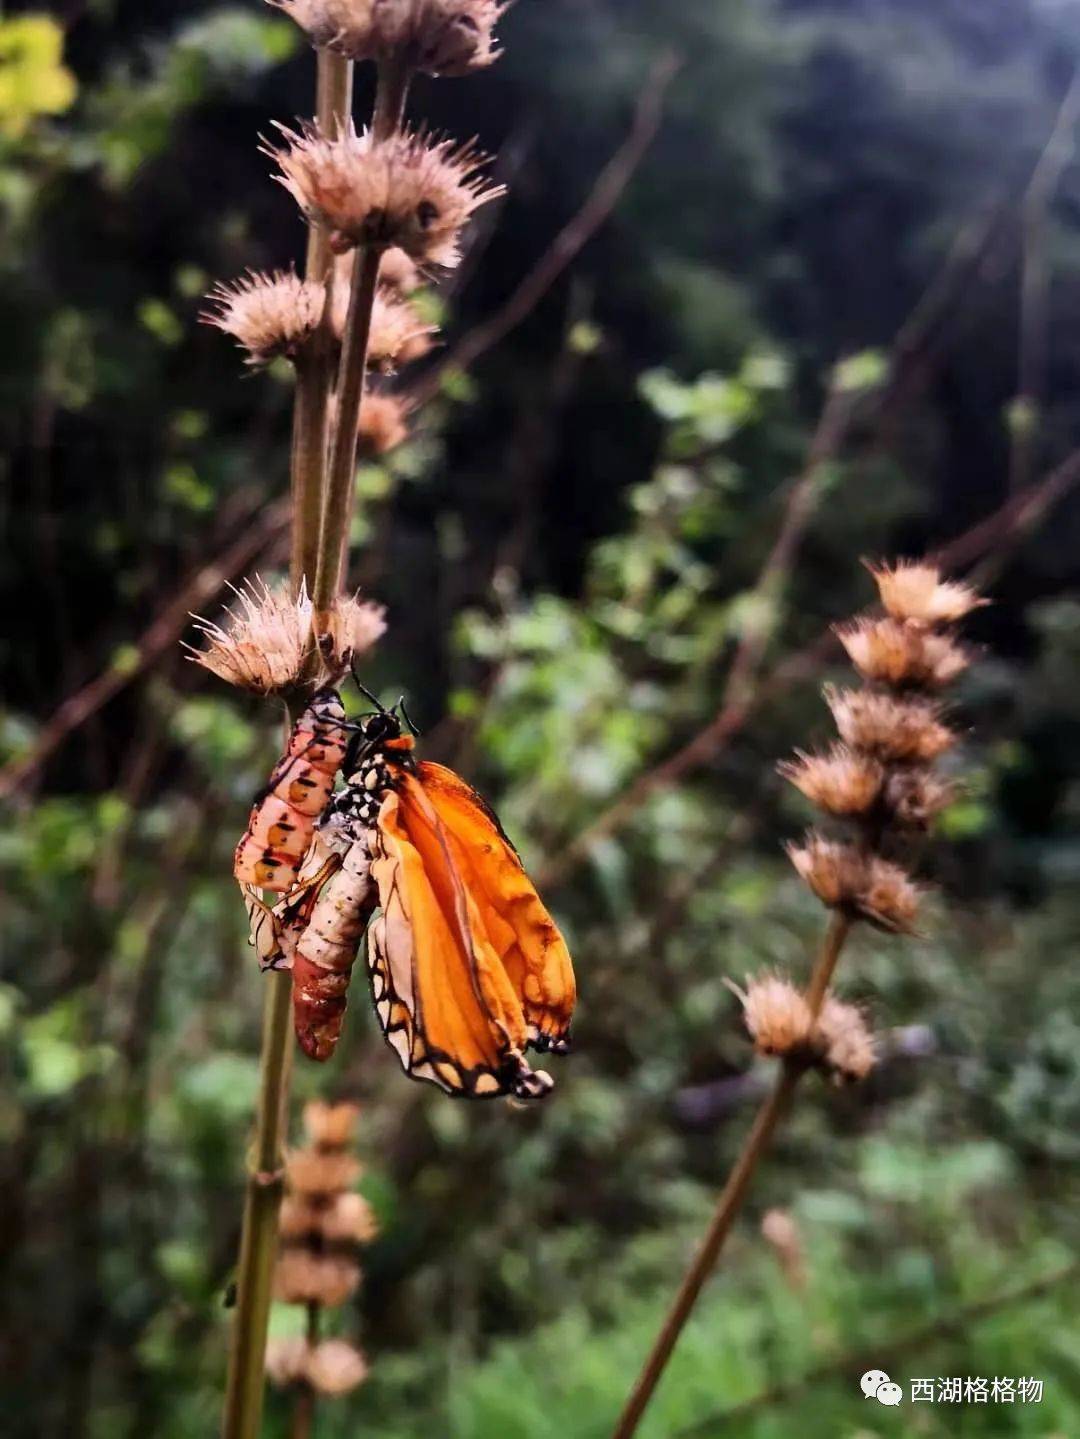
(323, 1221)
(880, 777)
(410, 190)
(779, 1021)
(267, 314)
(862, 883)
(439, 37)
(382, 425)
(397, 334)
(781, 1232)
(332, 1367)
(264, 641)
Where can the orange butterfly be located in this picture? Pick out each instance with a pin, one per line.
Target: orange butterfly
(467, 967)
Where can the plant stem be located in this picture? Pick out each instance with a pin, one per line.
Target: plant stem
(258, 1245)
(732, 1194)
(258, 1241)
(315, 368)
(390, 93)
(303, 1415)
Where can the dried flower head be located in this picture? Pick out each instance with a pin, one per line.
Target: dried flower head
(398, 272)
(913, 590)
(902, 655)
(267, 314)
(263, 642)
(843, 877)
(781, 1232)
(409, 190)
(842, 782)
(440, 37)
(904, 730)
(776, 1015)
(349, 1218)
(915, 797)
(397, 332)
(847, 1045)
(286, 1360)
(321, 1172)
(382, 425)
(301, 1277)
(334, 1367)
(331, 1125)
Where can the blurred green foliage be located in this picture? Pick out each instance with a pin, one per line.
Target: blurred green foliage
(569, 546)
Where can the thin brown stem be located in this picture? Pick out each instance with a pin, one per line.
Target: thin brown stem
(258, 1245)
(732, 1195)
(315, 368)
(340, 487)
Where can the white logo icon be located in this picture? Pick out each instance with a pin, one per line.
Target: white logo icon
(876, 1384)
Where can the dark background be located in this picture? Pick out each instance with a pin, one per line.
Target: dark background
(569, 550)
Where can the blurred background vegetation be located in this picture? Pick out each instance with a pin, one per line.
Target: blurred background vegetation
(836, 302)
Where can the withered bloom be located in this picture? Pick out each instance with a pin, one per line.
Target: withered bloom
(263, 643)
(382, 425)
(410, 191)
(914, 591)
(397, 333)
(847, 1046)
(862, 884)
(776, 1015)
(439, 37)
(889, 727)
(267, 314)
(842, 782)
(902, 655)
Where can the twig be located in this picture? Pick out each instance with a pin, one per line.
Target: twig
(1027, 418)
(732, 1195)
(1018, 516)
(571, 239)
(161, 635)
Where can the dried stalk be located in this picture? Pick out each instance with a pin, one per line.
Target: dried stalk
(258, 1244)
(730, 1202)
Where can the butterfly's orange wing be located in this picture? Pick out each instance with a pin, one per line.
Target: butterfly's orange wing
(442, 994)
(520, 929)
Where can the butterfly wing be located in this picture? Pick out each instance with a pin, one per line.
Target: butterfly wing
(522, 932)
(443, 998)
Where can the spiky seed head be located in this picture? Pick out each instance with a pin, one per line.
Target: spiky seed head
(902, 730)
(262, 643)
(331, 1126)
(286, 1359)
(382, 425)
(409, 191)
(847, 1046)
(350, 1218)
(398, 272)
(776, 1015)
(301, 1277)
(842, 782)
(891, 652)
(914, 591)
(267, 314)
(439, 37)
(863, 885)
(321, 1172)
(397, 334)
(914, 797)
(335, 1367)
(889, 899)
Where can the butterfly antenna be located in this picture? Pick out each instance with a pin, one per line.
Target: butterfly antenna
(367, 693)
(405, 715)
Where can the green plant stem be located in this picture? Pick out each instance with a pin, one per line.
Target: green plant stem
(390, 94)
(315, 367)
(732, 1195)
(258, 1245)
